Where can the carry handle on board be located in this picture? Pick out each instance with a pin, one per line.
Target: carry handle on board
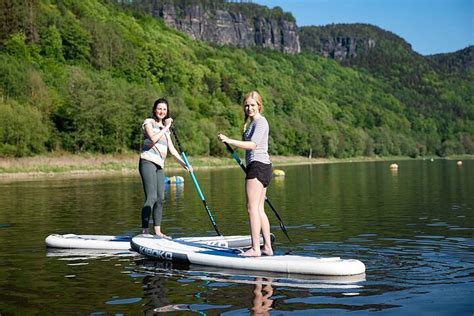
(237, 159)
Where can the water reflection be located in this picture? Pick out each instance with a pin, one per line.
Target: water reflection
(156, 302)
(278, 182)
(216, 284)
(262, 292)
(174, 191)
(156, 290)
(87, 254)
(155, 295)
(238, 276)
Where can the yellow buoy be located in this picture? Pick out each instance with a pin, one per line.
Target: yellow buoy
(278, 173)
(393, 166)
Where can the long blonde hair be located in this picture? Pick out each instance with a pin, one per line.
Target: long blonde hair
(258, 98)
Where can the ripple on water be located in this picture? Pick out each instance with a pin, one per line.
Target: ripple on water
(425, 260)
(123, 301)
(188, 307)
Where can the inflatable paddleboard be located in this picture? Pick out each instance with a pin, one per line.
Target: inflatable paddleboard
(189, 252)
(73, 241)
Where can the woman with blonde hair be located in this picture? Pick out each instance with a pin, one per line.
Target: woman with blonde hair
(259, 171)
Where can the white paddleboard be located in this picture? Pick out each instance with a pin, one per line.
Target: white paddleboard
(73, 241)
(192, 253)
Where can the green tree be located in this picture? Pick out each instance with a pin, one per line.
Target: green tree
(23, 131)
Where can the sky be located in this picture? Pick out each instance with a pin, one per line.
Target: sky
(430, 26)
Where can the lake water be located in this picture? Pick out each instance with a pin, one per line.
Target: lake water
(412, 228)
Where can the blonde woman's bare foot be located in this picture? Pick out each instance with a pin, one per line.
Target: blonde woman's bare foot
(267, 252)
(250, 253)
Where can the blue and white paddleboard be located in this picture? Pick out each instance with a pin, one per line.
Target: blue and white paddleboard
(73, 241)
(193, 253)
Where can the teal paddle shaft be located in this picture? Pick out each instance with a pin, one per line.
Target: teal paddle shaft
(241, 164)
(196, 184)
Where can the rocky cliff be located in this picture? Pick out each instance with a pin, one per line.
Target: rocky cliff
(342, 47)
(344, 42)
(228, 24)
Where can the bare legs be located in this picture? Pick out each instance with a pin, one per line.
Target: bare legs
(258, 219)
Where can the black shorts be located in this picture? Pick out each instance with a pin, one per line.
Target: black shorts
(261, 171)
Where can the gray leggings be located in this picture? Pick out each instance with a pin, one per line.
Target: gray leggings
(154, 188)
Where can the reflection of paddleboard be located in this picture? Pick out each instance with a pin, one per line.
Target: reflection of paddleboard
(200, 272)
(74, 254)
(191, 252)
(74, 241)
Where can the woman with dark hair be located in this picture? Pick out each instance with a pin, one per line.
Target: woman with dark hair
(156, 144)
(259, 171)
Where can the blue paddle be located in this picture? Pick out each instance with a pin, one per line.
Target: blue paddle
(196, 184)
(241, 164)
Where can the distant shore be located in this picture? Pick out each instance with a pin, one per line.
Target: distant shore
(69, 165)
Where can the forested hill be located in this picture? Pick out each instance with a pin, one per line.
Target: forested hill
(349, 42)
(81, 76)
(380, 52)
(460, 62)
(411, 78)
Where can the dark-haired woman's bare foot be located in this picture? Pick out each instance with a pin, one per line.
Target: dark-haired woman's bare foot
(165, 236)
(161, 235)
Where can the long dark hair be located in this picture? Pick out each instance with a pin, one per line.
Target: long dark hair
(155, 105)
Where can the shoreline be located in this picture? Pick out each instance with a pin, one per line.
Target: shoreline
(89, 165)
